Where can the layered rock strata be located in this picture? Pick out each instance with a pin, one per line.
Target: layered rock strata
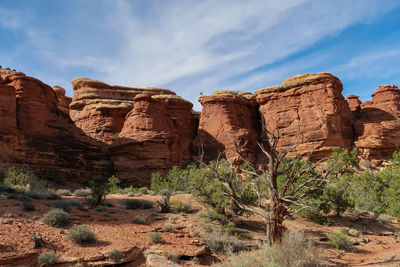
(377, 125)
(36, 133)
(228, 117)
(156, 135)
(308, 110)
(100, 109)
(63, 100)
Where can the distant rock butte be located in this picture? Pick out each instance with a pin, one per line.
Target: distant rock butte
(308, 109)
(134, 132)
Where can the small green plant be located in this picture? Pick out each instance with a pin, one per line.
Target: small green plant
(47, 259)
(132, 204)
(82, 192)
(100, 189)
(340, 241)
(81, 234)
(101, 209)
(230, 229)
(115, 255)
(115, 137)
(28, 206)
(155, 237)
(171, 257)
(113, 183)
(179, 206)
(211, 215)
(56, 218)
(62, 205)
(169, 228)
(139, 220)
(64, 192)
(219, 242)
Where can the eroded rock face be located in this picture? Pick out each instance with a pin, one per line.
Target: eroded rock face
(377, 128)
(308, 109)
(156, 135)
(354, 103)
(228, 117)
(43, 136)
(100, 109)
(63, 100)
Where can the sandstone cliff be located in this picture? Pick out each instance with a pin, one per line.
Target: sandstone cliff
(156, 135)
(35, 132)
(100, 109)
(308, 109)
(228, 117)
(377, 125)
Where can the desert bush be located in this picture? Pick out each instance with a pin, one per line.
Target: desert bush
(101, 209)
(146, 204)
(85, 192)
(19, 196)
(62, 205)
(315, 215)
(115, 255)
(171, 257)
(47, 258)
(340, 241)
(179, 206)
(64, 192)
(113, 183)
(293, 250)
(108, 204)
(139, 220)
(43, 194)
(56, 218)
(99, 189)
(132, 204)
(91, 201)
(169, 228)
(155, 237)
(18, 176)
(219, 242)
(28, 206)
(211, 215)
(230, 229)
(81, 234)
(7, 189)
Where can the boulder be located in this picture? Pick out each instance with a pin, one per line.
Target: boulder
(100, 109)
(227, 117)
(156, 135)
(308, 110)
(42, 136)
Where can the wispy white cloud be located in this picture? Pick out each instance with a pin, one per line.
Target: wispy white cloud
(193, 46)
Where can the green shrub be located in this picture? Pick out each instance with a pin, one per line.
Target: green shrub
(230, 229)
(56, 218)
(74, 202)
(219, 242)
(81, 234)
(43, 194)
(340, 241)
(64, 192)
(91, 201)
(139, 220)
(314, 215)
(132, 204)
(19, 196)
(155, 237)
(82, 193)
(115, 255)
(146, 204)
(28, 206)
(171, 257)
(100, 189)
(7, 189)
(211, 215)
(113, 183)
(169, 228)
(20, 176)
(62, 205)
(47, 258)
(179, 206)
(108, 204)
(294, 251)
(101, 209)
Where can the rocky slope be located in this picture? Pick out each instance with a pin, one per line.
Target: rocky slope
(134, 132)
(37, 133)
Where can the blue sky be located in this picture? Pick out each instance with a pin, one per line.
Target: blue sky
(203, 45)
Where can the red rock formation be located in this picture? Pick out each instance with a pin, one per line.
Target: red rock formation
(377, 128)
(100, 109)
(156, 135)
(63, 101)
(45, 138)
(354, 103)
(308, 109)
(228, 117)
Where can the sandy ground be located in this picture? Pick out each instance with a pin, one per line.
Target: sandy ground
(378, 242)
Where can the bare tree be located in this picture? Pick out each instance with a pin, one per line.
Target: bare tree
(299, 176)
